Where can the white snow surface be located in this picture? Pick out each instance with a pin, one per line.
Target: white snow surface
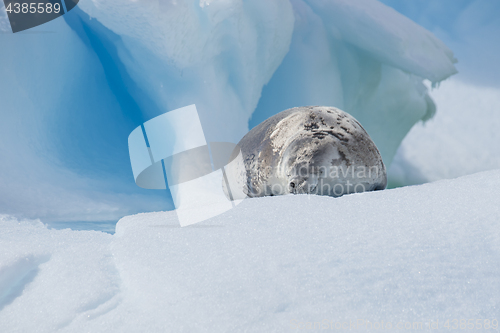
(462, 138)
(412, 254)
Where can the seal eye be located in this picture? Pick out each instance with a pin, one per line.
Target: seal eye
(292, 185)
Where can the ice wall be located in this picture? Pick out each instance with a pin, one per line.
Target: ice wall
(215, 54)
(361, 56)
(471, 28)
(365, 58)
(63, 130)
(4, 20)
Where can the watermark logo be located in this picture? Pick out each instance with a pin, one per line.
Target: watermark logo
(171, 150)
(388, 325)
(333, 180)
(24, 14)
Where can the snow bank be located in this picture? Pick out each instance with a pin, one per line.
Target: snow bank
(462, 138)
(56, 273)
(411, 254)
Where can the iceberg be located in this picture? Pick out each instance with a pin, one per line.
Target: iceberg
(74, 88)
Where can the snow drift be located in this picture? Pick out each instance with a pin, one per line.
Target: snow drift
(414, 254)
(461, 139)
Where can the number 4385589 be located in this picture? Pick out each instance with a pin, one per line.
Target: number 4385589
(33, 8)
(471, 324)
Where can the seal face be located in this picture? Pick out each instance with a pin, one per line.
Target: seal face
(315, 150)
